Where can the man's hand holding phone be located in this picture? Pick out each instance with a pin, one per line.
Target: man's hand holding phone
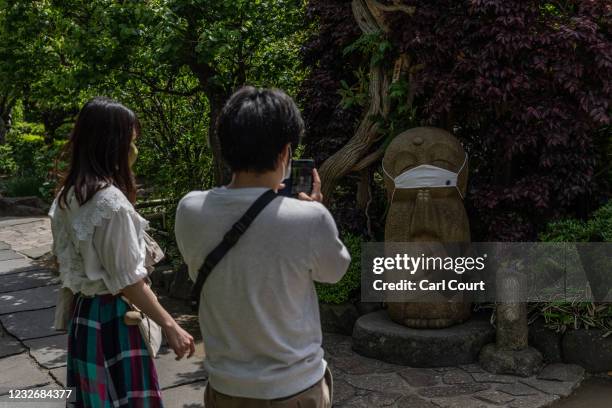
(316, 194)
(304, 182)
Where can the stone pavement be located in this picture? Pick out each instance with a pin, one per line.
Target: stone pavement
(29, 236)
(364, 382)
(33, 355)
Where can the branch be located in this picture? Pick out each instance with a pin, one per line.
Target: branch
(377, 10)
(152, 83)
(204, 72)
(369, 159)
(391, 7)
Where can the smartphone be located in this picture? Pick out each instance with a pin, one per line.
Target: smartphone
(301, 176)
(300, 180)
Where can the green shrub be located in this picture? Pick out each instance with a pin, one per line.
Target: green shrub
(348, 287)
(8, 166)
(561, 316)
(49, 166)
(22, 186)
(23, 128)
(36, 164)
(597, 228)
(174, 157)
(26, 149)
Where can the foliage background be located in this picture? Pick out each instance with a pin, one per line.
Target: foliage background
(172, 61)
(525, 85)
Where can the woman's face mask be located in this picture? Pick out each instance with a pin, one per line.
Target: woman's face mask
(133, 154)
(427, 176)
(287, 169)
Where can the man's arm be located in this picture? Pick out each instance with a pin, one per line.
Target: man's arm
(331, 258)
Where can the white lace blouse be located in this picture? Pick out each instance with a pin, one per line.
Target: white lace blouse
(100, 246)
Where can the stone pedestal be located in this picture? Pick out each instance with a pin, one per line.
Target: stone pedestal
(375, 335)
(511, 353)
(525, 362)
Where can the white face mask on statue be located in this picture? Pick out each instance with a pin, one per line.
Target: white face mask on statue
(426, 176)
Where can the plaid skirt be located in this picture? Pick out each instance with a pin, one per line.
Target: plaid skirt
(108, 361)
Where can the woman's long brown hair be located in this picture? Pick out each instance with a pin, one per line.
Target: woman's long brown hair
(99, 148)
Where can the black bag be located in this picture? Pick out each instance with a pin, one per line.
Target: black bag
(229, 240)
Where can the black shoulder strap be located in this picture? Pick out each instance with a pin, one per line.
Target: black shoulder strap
(229, 240)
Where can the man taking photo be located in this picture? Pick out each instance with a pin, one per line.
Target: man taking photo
(258, 308)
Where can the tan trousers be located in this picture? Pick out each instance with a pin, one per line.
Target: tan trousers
(317, 396)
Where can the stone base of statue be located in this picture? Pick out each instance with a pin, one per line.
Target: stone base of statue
(525, 362)
(375, 335)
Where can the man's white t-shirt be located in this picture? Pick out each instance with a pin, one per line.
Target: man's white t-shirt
(259, 313)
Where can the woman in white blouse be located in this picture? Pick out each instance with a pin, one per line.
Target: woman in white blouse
(99, 242)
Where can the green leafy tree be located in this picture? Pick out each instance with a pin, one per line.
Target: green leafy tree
(222, 44)
(227, 44)
(36, 65)
(8, 92)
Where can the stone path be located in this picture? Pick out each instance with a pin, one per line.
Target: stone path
(29, 236)
(33, 355)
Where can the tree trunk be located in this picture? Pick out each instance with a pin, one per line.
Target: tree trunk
(50, 134)
(364, 193)
(4, 128)
(217, 96)
(222, 173)
(6, 110)
(344, 161)
(53, 119)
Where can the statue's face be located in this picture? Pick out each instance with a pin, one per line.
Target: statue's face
(420, 146)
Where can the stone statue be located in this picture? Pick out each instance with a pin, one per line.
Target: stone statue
(427, 214)
(511, 353)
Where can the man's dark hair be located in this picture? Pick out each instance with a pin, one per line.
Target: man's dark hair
(255, 125)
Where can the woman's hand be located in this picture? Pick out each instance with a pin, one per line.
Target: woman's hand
(141, 295)
(180, 341)
(316, 189)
